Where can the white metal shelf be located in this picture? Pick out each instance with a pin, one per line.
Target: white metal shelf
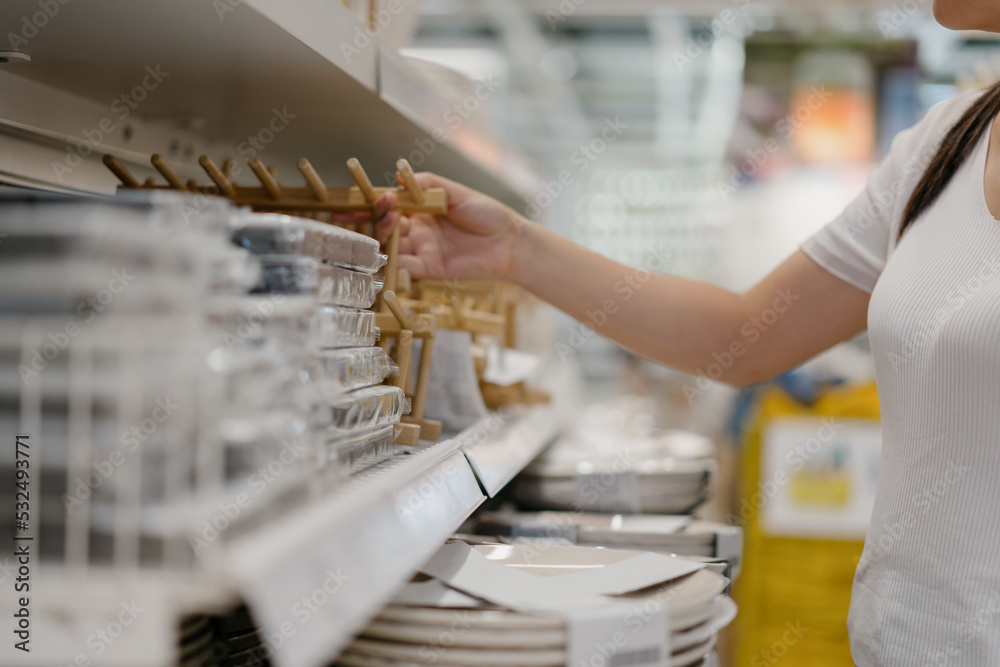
(370, 536)
(513, 442)
(227, 72)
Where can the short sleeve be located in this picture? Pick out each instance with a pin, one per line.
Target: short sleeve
(856, 245)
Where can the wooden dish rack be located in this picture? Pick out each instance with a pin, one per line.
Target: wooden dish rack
(407, 308)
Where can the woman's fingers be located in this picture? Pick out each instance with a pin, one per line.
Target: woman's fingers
(385, 226)
(385, 203)
(456, 192)
(414, 264)
(351, 218)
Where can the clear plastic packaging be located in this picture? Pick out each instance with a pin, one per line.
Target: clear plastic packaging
(328, 284)
(363, 450)
(249, 322)
(351, 368)
(276, 234)
(366, 408)
(334, 326)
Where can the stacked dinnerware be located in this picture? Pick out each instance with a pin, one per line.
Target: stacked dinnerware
(685, 536)
(333, 272)
(614, 460)
(430, 624)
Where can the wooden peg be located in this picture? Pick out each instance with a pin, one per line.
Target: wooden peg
(127, 179)
(227, 168)
(392, 264)
(410, 181)
(313, 179)
(361, 178)
(149, 182)
(397, 310)
(407, 434)
(217, 176)
(168, 173)
(265, 177)
(404, 282)
(424, 371)
(271, 169)
(404, 346)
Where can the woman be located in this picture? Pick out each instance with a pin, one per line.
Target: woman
(915, 259)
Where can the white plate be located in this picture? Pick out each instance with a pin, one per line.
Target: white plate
(458, 656)
(679, 622)
(689, 593)
(690, 600)
(723, 613)
(493, 619)
(693, 656)
(350, 659)
(461, 634)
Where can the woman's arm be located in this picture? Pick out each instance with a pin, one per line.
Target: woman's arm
(799, 310)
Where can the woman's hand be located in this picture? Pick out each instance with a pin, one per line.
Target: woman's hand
(476, 239)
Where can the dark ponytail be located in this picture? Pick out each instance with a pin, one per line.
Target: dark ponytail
(954, 149)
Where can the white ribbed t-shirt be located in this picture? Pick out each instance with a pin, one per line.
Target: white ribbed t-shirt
(927, 588)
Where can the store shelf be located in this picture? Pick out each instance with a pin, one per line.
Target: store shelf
(285, 72)
(364, 541)
(511, 444)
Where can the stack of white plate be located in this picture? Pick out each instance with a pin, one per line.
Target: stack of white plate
(667, 473)
(667, 534)
(462, 631)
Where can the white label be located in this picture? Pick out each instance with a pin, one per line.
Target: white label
(818, 477)
(609, 491)
(625, 635)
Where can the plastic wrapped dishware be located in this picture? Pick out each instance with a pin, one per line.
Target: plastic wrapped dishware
(366, 408)
(351, 368)
(335, 326)
(328, 284)
(276, 234)
(358, 451)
